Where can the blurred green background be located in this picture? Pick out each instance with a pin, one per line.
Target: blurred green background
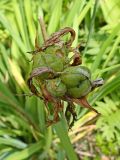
(23, 133)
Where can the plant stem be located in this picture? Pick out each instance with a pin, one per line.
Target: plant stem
(60, 127)
(43, 28)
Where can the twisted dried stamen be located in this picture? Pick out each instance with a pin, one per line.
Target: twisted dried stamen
(55, 39)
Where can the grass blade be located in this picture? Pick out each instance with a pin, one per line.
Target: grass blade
(106, 89)
(64, 139)
(98, 59)
(29, 18)
(15, 36)
(111, 54)
(13, 142)
(55, 17)
(75, 9)
(26, 153)
(84, 11)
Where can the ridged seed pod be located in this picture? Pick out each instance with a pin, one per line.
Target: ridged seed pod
(77, 81)
(56, 88)
(51, 61)
(73, 75)
(80, 90)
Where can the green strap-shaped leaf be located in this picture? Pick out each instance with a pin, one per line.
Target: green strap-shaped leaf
(55, 17)
(13, 142)
(105, 45)
(64, 139)
(26, 153)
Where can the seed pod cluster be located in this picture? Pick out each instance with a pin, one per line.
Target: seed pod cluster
(56, 78)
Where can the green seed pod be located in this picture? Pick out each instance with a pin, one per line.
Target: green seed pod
(56, 88)
(81, 90)
(72, 76)
(48, 60)
(51, 61)
(51, 49)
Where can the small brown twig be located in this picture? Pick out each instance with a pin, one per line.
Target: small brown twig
(85, 153)
(43, 28)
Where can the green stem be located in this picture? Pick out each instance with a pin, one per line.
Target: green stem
(62, 133)
(60, 128)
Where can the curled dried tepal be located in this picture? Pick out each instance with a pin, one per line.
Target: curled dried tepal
(60, 78)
